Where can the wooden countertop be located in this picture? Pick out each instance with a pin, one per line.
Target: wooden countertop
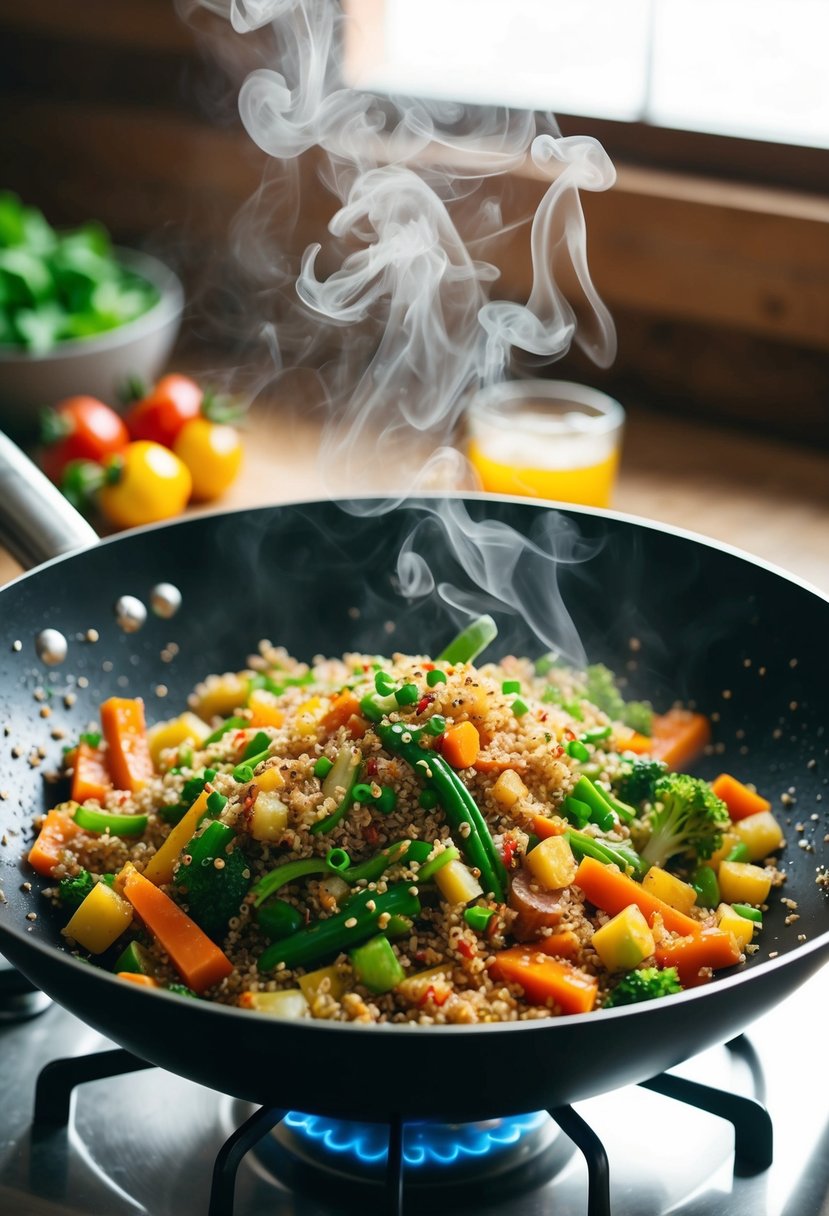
(766, 497)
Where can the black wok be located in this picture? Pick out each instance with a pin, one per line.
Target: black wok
(738, 639)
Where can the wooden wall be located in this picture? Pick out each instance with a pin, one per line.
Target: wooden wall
(720, 289)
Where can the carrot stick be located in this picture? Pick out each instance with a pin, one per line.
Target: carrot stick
(708, 948)
(57, 829)
(90, 778)
(128, 752)
(546, 979)
(740, 800)
(679, 736)
(344, 705)
(198, 960)
(461, 745)
(613, 891)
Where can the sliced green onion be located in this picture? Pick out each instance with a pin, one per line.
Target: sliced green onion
(470, 642)
(243, 773)
(519, 707)
(596, 734)
(430, 868)
(216, 803)
(323, 767)
(436, 725)
(511, 686)
(433, 678)
(102, 822)
(384, 683)
(407, 694)
(577, 750)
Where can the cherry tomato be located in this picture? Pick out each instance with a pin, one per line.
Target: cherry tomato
(80, 428)
(212, 452)
(163, 412)
(144, 483)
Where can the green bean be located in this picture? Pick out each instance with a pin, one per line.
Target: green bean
(355, 924)
(282, 875)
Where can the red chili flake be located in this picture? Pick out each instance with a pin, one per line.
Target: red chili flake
(366, 666)
(493, 926)
(568, 733)
(371, 766)
(508, 851)
(370, 834)
(465, 949)
(428, 666)
(558, 751)
(420, 956)
(431, 995)
(423, 702)
(543, 715)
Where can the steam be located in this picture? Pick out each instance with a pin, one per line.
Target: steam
(409, 300)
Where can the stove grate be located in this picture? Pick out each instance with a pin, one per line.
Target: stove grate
(753, 1137)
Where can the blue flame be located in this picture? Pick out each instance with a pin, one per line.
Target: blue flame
(424, 1144)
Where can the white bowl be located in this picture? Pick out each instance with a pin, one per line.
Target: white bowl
(96, 366)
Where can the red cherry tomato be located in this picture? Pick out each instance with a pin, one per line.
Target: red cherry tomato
(160, 415)
(80, 428)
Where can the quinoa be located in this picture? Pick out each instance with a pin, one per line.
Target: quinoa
(287, 811)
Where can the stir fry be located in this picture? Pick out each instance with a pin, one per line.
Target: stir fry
(407, 839)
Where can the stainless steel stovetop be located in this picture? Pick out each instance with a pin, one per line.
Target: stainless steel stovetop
(145, 1142)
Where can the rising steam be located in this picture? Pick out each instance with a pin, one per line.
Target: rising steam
(419, 328)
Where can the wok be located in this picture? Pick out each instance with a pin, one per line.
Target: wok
(736, 638)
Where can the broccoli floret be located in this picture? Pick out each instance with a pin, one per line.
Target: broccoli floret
(637, 783)
(644, 985)
(687, 819)
(182, 990)
(73, 891)
(213, 892)
(601, 688)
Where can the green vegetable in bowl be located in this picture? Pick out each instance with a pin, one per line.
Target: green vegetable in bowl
(59, 286)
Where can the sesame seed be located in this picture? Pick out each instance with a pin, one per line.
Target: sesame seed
(92, 635)
(351, 923)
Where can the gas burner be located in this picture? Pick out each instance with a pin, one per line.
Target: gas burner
(19, 1000)
(444, 1167)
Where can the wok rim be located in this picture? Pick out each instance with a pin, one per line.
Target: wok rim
(49, 951)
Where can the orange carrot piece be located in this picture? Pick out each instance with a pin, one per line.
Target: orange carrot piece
(486, 764)
(356, 726)
(128, 752)
(198, 960)
(461, 745)
(135, 977)
(679, 736)
(542, 827)
(740, 800)
(344, 706)
(640, 745)
(90, 777)
(263, 712)
(708, 948)
(613, 891)
(564, 944)
(546, 979)
(57, 829)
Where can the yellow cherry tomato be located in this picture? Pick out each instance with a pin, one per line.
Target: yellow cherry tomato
(144, 483)
(212, 452)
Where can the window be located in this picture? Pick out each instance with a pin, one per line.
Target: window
(748, 68)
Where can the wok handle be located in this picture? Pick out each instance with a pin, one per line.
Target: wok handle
(36, 521)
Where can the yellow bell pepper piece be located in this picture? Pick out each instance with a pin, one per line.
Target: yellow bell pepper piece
(457, 883)
(672, 890)
(625, 940)
(100, 919)
(310, 984)
(308, 715)
(218, 696)
(161, 865)
(264, 710)
(187, 727)
(742, 883)
(740, 927)
(760, 833)
(552, 863)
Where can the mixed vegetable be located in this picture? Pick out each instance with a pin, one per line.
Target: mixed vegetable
(176, 443)
(408, 839)
(57, 286)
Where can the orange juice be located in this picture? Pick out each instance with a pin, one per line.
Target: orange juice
(546, 439)
(590, 485)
